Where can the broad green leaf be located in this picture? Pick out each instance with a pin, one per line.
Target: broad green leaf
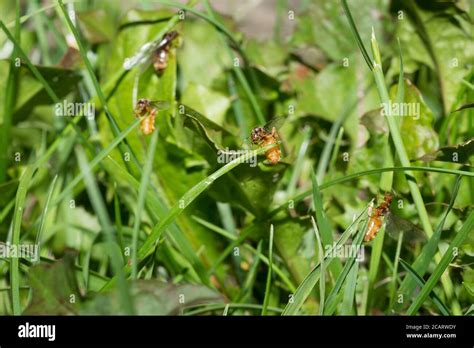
(54, 288)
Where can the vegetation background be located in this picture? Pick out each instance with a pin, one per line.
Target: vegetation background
(134, 224)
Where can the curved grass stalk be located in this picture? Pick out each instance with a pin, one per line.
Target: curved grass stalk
(151, 241)
(306, 287)
(353, 176)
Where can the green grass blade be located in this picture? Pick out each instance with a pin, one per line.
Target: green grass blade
(42, 80)
(401, 79)
(269, 274)
(350, 177)
(157, 210)
(323, 224)
(323, 161)
(249, 282)
(118, 219)
(299, 162)
(375, 255)
(190, 196)
(333, 295)
(97, 159)
(17, 218)
(141, 200)
(347, 306)
(9, 101)
(149, 244)
(449, 255)
(113, 250)
(423, 261)
(309, 282)
(322, 278)
(114, 126)
(41, 34)
(436, 300)
(356, 34)
(52, 186)
(265, 260)
(393, 283)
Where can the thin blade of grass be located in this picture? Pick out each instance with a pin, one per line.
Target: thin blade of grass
(17, 218)
(350, 177)
(157, 209)
(423, 261)
(331, 303)
(97, 160)
(449, 255)
(269, 274)
(118, 218)
(52, 186)
(309, 282)
(149, 244)
(323, 224)
(354, 30)
(141, 200)
(123, 147)
(248, 247)
(9, 101)
(393, 283)
(375, 255)
(113, 250)
(251, 275)
(322, 278)
(347, 306)
(436, 300)
(299, 162)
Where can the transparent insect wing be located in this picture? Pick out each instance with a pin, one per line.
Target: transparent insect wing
(395, 225)
(275, 122)
(142, 56)
(168, 39)
(160, 104)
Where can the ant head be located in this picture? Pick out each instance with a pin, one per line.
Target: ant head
(388, 197)
(257, 134)
(142, 104)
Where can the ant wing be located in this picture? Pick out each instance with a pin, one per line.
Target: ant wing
(142, 56)
(160, 104)
(167, 40)
(275, 122)
(395, 225)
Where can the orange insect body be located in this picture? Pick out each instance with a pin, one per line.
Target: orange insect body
(375, 221)
(160, 61)
(263, 138)
(160, 57)
(147, 125)
(144, 108)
